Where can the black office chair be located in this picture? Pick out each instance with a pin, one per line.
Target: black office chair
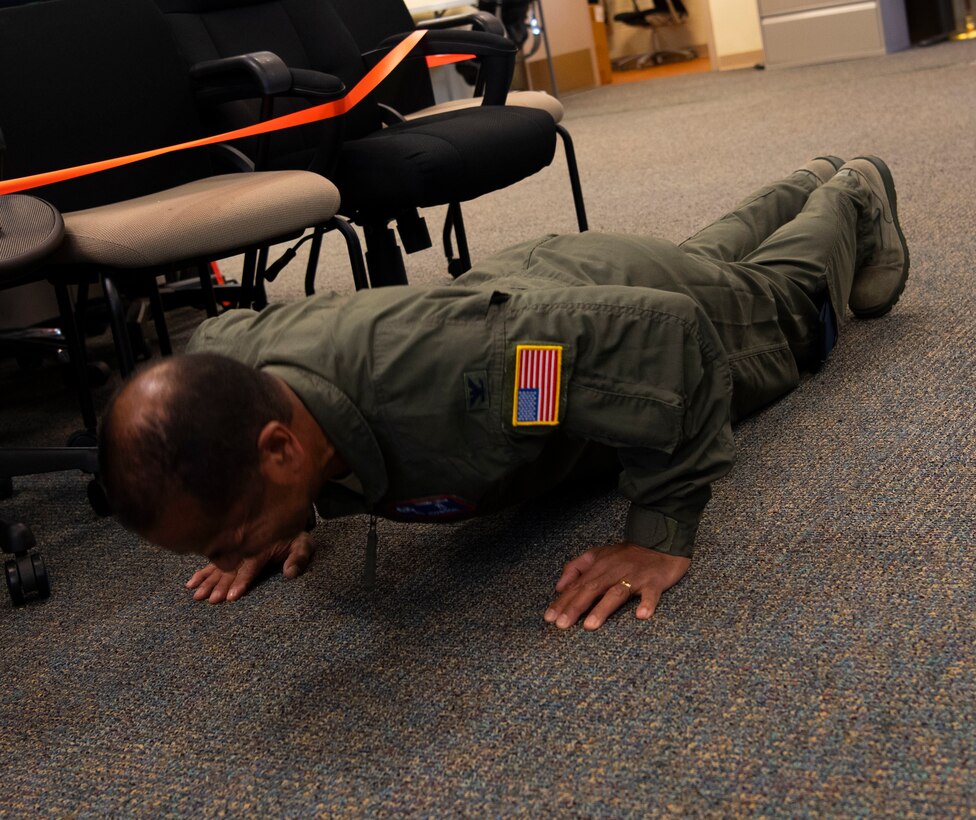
(119, 89)
(385, 168)
(410, 93)
(663, 14)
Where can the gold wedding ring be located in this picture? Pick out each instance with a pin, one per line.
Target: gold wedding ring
(625, 582)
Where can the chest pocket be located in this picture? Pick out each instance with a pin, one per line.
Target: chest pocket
(438, 386)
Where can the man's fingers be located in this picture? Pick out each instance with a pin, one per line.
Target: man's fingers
(614, 598)
(219, 592)
(575, 568)
(244, 577)
(300, 553)
(217, 585)
(649, 602)
(568, 607)
(200, 576)
(596, 580)
(205, 586)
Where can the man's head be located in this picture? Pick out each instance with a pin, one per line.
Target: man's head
(198, 454)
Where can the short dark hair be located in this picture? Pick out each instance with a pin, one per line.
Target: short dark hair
(201, 440)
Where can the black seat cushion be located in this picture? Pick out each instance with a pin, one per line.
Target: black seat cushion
(449, 157)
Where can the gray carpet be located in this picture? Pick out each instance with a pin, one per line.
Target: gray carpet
(818, 660)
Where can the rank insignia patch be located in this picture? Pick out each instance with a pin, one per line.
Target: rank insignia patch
(537, 382)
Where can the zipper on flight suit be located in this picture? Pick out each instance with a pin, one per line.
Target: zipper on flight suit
(369, 565)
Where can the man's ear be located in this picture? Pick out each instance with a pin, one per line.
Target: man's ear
(281, 455)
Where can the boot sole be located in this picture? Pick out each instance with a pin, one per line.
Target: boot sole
(889, 184)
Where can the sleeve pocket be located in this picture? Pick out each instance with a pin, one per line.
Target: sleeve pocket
(635, 416)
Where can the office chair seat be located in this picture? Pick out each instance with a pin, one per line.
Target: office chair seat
(450, 157)
(29, 230)
(201, 219)
(540, 100)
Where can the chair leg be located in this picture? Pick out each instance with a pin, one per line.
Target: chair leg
(311, 269)
(246, 298)
(454, 221)
(159, 318)
(355, 251)
(120, 330)
(574, 179)
(79, 360)
(260, 293)
(383, 257)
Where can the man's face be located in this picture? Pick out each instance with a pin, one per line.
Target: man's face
(263, 517)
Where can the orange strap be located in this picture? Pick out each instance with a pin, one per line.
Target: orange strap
(336, 108)
(435, 60)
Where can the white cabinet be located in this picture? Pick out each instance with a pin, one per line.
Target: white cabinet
(800, 32)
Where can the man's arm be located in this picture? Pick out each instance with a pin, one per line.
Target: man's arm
(659, 393)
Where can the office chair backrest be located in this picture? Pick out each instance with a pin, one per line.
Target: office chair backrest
(305, 34)
(87, 80)
(370, 22)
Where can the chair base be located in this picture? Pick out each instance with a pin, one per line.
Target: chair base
(26, 573)
(664, 57)
(27, 578)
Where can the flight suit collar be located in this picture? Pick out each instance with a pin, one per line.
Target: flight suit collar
(342, 422)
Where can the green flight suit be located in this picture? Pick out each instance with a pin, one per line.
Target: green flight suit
(654, 348)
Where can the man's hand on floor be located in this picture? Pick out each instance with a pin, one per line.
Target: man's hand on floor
(599, 578)
(217, 585)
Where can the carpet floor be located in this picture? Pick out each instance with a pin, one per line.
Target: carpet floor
(818, 660)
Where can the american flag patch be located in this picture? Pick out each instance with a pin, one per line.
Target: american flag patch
(537, 374)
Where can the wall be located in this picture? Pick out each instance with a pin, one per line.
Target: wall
(736, 33)
(571, 43)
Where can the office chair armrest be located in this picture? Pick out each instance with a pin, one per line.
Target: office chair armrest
(316, 85)
(244, 76)
(495, 53)
(479, 21)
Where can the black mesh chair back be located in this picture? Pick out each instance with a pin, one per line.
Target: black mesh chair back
(210, 29)
(121, 86)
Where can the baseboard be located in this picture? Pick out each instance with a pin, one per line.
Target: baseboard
(744, 59)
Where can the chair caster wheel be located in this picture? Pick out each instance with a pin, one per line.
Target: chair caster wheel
(6, 487)
(98, 500)
(82, 438)
(27, 578)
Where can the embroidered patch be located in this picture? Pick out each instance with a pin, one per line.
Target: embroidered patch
(476, 390)
(537, 382)
(437, 507)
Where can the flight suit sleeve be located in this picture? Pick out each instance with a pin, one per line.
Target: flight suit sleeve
(647, 375)
(669, 491)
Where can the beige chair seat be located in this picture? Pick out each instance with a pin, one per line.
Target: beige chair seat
(203, 219)
(527, 99)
